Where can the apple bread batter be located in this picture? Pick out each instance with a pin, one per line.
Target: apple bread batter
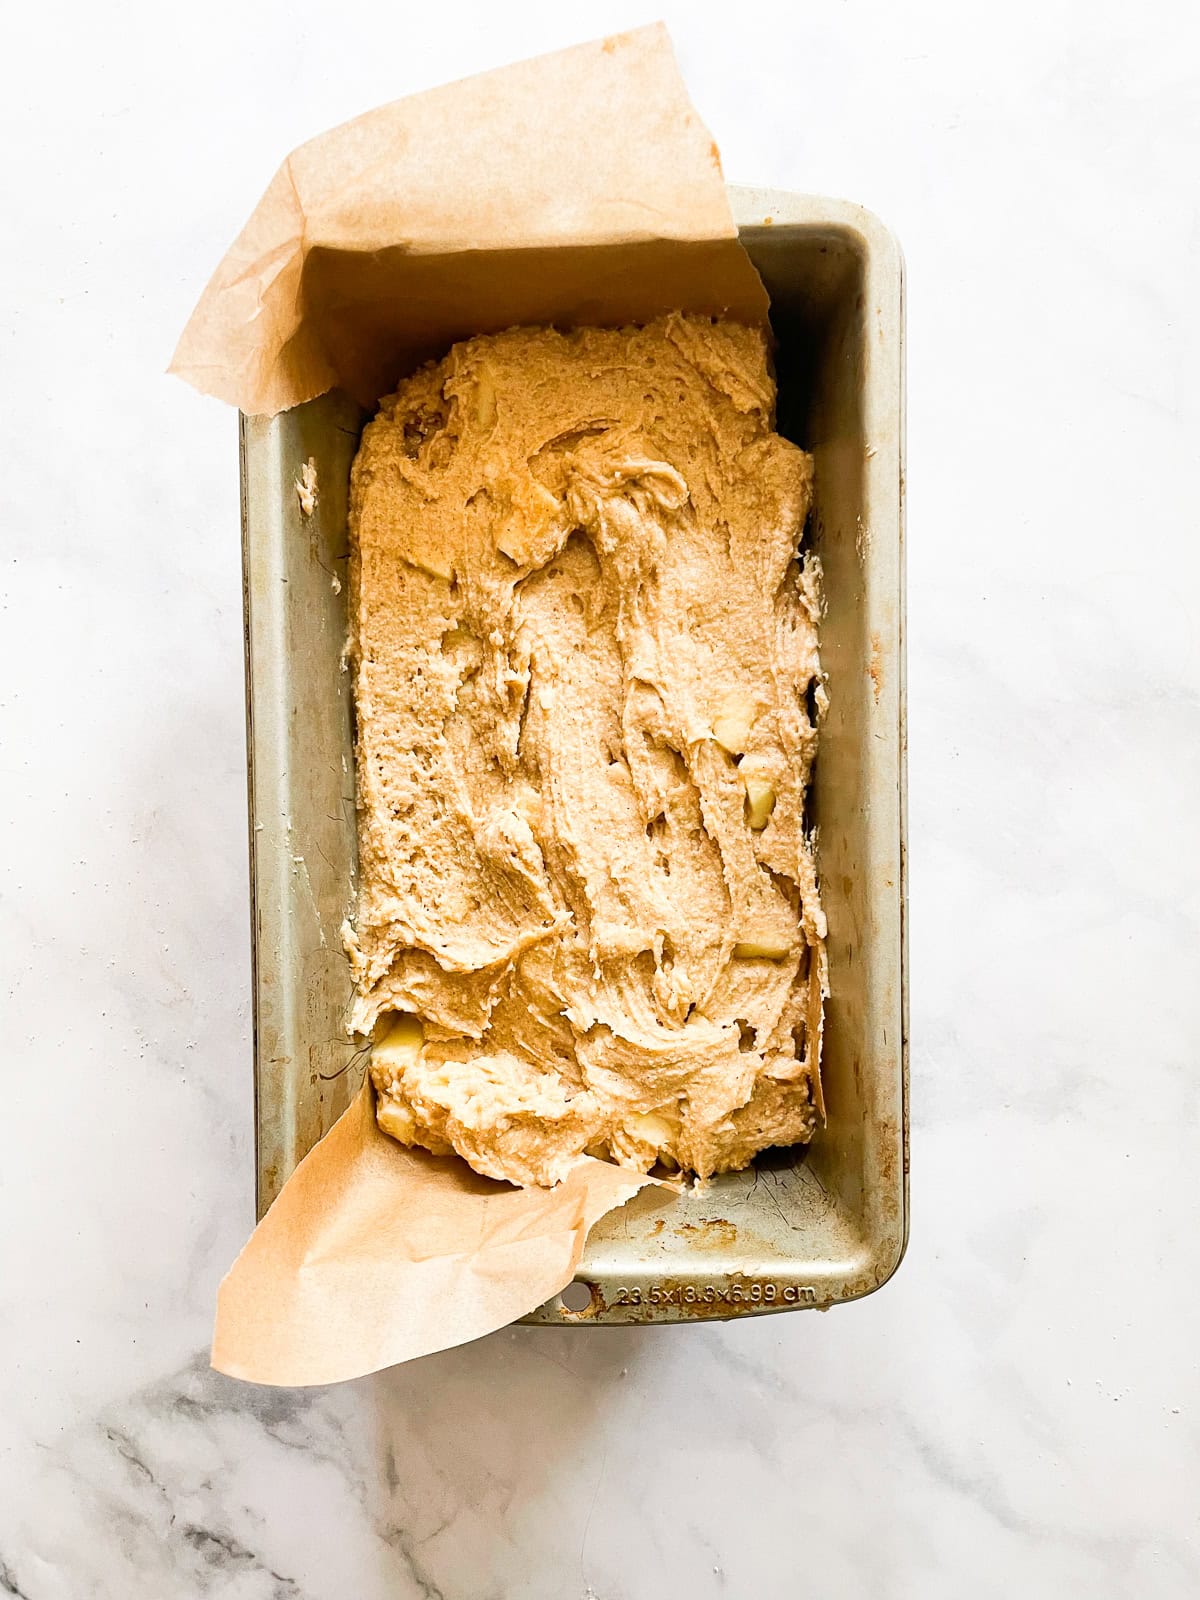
(587, 683)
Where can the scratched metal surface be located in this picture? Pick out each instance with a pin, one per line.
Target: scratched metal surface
(801, 1228)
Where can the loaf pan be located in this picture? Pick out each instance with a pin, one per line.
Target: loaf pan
(812, 1226)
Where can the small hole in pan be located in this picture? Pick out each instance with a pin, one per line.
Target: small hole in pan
(576, 1297)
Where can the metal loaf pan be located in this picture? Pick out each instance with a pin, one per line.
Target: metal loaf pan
(804, 1227)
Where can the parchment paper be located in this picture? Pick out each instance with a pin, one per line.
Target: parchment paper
(577, 188)
(373, 1254)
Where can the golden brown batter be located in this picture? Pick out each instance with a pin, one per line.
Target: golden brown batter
(585, 656)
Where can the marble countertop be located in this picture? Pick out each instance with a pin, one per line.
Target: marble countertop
(1018, 1412)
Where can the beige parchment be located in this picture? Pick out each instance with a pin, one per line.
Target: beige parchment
(577, 188)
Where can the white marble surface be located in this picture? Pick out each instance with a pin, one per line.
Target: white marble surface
(1018, 1412)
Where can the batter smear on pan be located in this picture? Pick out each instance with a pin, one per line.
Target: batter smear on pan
(586, 673)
